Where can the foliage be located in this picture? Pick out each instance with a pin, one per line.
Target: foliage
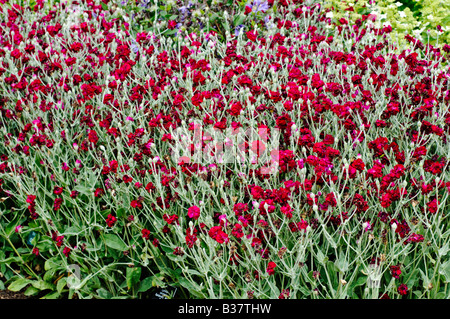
(427, 20)
(95, 205)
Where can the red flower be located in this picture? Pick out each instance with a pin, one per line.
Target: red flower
(35, 251)
(111, 220)
(57, 190)
(99, 192)
(194, 212)
(145, 233)
(136, 204)
(67, 251)
(190, 238)
(285, 293)
(402, 289)
(57, 203)
(271, 268)
(218, 235)
(395, 271)
(171, 24)
(93, 138)
(237, 231)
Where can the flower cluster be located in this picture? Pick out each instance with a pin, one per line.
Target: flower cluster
(90, 113)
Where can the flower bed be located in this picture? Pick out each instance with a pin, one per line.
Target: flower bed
(125, 159)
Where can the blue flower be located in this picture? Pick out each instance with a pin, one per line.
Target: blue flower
(145, 3)
(134, 46)
(238, 29)
(259, 5)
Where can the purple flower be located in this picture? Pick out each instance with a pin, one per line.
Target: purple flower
(238, 29)
(259, 5)
(145, 3)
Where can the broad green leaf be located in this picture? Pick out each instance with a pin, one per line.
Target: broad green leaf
(152, 281)
(133, 276)
(31, 291)
(72, 230)
(9, 260)
(321, 257)
(341, 263)
(359, 282)
(238, 19)
(444, 269)
(18, 284)
(121, 212)
(52, 263)
(274, 291)
(440, 295)
(113, 241)
(52, 295)
(329, 238)
(146, 284)
(103, 293)
(332, 273)
(443, 250)
(61, 284)
(42, 285)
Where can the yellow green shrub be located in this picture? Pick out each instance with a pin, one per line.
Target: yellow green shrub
(414, 17)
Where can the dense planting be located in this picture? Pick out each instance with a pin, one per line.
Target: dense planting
(427, 20)
(91, 114)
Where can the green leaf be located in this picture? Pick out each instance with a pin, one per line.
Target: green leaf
(53, 263)
(61, 284)
(121, 212)
(443, 250)
(413, 278)
(31, 291)
(104, 294)
(52, 295)
(329, 238)
(186, 284)
(73, 230)
(238, 19)
(321, 257)
(9, 260)
(146, 284)
(359, 282)
(444, 269)
(43, 285)
(440, 295)
(113, 241)
(133, 276)
(332, 273)
(18, 284)
(341, 263)
(104, 6)
(32, 4)
(192, 272)
(152, 281)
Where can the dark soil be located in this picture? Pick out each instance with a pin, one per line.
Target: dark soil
(6, 294)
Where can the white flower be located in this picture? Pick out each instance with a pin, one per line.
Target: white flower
(402, 14)
(329, 14)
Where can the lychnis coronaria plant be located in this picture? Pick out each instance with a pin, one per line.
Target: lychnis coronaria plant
(296, 158)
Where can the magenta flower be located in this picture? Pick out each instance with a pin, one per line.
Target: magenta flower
(194, 212)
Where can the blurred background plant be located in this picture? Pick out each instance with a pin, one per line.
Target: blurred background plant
(414, 17)
(173, 17)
